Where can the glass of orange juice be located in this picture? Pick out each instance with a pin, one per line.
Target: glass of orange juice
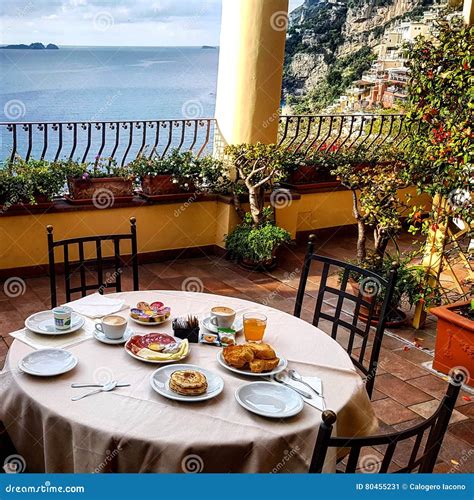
(254, 326)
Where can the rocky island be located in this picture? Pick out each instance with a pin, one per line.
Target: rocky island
(32, 46)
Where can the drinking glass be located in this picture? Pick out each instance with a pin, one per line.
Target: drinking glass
(254, 326)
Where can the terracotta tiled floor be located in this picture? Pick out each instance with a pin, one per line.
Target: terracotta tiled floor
(405, 392)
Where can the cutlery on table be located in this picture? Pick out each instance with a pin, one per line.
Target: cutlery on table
(79, 386)
(294, 375)
(105, 388)
(279, 379)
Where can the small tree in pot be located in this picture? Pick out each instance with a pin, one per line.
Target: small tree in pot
(255, 168)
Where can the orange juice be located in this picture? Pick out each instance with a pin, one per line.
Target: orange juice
(254, 327)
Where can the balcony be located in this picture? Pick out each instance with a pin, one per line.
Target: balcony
(178, 241)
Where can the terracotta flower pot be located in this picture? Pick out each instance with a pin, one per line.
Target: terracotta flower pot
(86, 189)
(154, 185)
(304, 174)
(396, 317)
(454, 340)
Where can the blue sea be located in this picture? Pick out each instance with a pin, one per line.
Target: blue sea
(100, 84)
(107, 83)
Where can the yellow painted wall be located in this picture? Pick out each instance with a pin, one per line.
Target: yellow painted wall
(171, 226)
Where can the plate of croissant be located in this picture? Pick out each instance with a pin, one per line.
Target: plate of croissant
(252, 359)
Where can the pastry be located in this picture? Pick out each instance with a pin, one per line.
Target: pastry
(262, 351)
(188, 382)
(238, 356)
(263, 365)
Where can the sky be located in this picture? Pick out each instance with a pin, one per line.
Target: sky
(112, 22)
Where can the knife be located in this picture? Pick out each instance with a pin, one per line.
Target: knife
(78, 386)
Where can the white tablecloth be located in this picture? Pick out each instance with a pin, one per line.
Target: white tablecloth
(135, 429)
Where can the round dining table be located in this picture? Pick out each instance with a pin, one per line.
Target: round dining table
(135, 429)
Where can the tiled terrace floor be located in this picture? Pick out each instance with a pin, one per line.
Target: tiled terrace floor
(405, 391)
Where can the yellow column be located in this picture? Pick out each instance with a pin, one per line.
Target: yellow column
(468, 12)
(252, 49)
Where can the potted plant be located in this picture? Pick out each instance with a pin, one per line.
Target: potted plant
(167, 175)
(254, 169)
(439, 155)
(313, 168)
(410, 285)
(455, 338)
(27, 183)
(101, 183)
(254, 246)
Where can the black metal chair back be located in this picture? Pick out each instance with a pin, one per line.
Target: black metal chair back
(71, 268)
(421, 443)
(373, 290)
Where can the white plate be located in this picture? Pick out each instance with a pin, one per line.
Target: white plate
(43, 323)
(159, 381)
(237, 326)
(47, 362)
(150, 323)
(280, 367)
(269, 400)
(155, 361)
(102, 338)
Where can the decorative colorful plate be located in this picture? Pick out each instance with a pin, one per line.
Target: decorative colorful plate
(150, 314)
(157, 348)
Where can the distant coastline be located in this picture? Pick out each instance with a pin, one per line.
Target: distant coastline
(31, 46)
(208, 47)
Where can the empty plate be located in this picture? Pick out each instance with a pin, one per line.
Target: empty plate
(269, 400)
(159, 381)
(48, 362)
(43, 323)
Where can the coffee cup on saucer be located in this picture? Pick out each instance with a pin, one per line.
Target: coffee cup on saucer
(222, 316)
(113, 327)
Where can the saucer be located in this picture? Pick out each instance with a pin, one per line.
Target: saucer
(102, 338)
(237, 326)
(43, 323)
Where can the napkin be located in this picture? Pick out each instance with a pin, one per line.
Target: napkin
(96, 305)
(315, 401)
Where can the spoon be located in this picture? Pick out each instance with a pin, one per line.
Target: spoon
(279, 378)
(106, 388)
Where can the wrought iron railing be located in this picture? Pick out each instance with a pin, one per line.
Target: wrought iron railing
(125, 140)
(311, 133)
(121, 140)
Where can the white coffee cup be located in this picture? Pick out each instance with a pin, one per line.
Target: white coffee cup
(113, 327)
(222, 316)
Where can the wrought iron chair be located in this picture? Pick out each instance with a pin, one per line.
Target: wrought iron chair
(358, 321)
(421, 458)
(80, 266)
